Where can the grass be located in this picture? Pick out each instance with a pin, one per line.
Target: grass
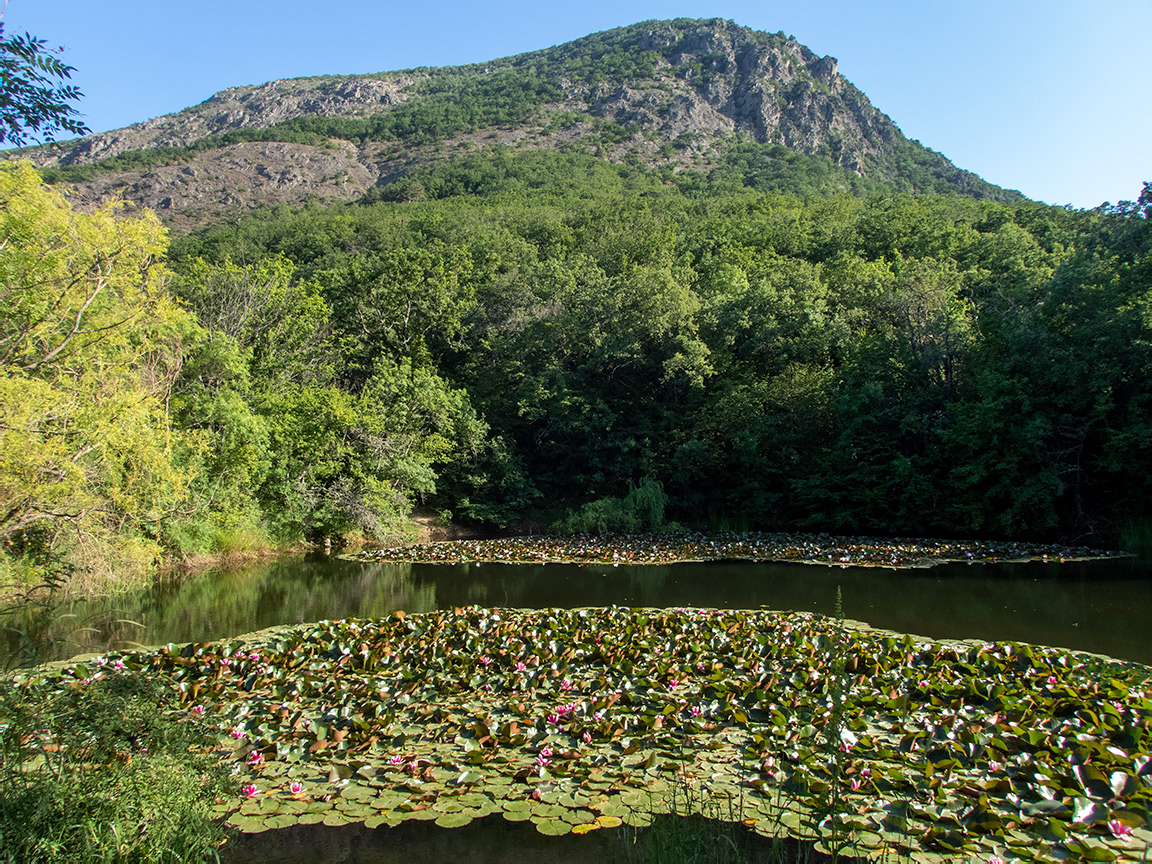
(1136, 537)
(98, 774)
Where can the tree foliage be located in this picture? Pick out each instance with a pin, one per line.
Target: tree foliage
(35, 103)
(90, 346)
(888, 363)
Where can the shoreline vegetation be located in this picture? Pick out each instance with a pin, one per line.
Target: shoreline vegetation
(684, 547)
(797, 726)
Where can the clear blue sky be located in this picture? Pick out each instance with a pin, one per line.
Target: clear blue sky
(1050, 97)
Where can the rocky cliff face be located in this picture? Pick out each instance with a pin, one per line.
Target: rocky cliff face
(706, 81)
(256, 107)
(724, 78)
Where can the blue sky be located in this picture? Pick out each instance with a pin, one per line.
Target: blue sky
(1050, 98)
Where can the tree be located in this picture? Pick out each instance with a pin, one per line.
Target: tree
(90, 345)
(34, 101)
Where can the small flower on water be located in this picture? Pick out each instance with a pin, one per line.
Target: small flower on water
(237, 733)
(1118, 828)
(118, 665)
(696, 712)
(565, 684)
(249, 790)
(587, 737)
(396, 760)
(296, 787)
(256, 758)
(520, 667)
(856, 784)
(485, 660)
(995, 859)
(674, 683)
(197, 710)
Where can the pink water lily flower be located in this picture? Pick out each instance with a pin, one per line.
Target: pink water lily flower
(197, 710)
(1118, 828)
(256, 758)
(249, 790)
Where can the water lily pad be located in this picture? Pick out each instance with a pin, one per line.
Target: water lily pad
(454, 820)
(553, 827)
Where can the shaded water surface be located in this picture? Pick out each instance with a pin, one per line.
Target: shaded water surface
(1099, 606)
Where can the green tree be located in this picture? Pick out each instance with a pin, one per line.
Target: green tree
(90, 345)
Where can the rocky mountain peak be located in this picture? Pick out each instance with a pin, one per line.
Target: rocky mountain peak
(661, 91)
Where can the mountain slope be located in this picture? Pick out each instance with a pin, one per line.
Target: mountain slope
(667, 93)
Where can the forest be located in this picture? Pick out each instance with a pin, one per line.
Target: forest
(547, 339)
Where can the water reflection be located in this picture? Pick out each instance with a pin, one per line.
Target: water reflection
(1103, 606)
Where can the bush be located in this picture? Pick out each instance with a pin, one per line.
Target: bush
(642, 509)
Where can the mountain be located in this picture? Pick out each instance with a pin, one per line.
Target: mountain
(681, 95)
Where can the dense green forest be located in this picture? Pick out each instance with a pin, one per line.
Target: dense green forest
(543, 336)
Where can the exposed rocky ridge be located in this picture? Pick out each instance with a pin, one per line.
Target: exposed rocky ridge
(704, 82)
(250, 174)
(256, 107)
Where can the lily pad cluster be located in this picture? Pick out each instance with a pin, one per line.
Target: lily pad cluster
(821, 549)
(578, 720)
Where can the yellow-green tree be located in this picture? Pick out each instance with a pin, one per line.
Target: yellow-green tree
(90, 344)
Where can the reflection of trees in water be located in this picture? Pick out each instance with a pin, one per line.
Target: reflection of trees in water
(227, 602)
(1094, 607)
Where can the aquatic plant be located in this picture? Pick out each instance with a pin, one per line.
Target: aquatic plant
(590, 719)
(663, 548)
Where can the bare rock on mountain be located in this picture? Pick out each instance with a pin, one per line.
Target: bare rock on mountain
(256, 107)
(242, 175)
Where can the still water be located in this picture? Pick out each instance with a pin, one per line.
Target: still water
(1099, 606)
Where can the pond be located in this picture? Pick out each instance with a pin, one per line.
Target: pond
(1098, 606)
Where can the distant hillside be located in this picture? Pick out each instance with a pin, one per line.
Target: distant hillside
(681, 95)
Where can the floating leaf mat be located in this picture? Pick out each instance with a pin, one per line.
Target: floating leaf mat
(579, 720)
(666, 548)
